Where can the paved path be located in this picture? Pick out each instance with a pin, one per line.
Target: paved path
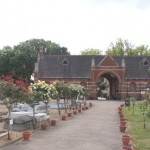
(93, 129)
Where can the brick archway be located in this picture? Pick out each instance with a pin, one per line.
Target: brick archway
(114, 84)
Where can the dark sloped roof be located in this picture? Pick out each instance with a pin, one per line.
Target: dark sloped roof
(79, 66)
(134, 68)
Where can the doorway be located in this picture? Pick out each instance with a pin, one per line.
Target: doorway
(108, 86)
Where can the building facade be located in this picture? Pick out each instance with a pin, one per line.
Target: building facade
(127, 76)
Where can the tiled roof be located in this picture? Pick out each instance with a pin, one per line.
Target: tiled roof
(79, 66)
(134, 68)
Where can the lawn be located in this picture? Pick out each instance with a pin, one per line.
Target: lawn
(135, 125)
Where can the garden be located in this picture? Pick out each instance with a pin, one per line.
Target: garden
(137, 117)
(18, 91)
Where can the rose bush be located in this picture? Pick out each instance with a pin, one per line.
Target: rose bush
(42, 91)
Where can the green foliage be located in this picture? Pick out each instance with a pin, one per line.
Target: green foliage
(119, 48)
(91, 51)
(76, 90)
(148, 111)
(34, 45)
(147, 96)
(102, 87)
(10, 90)
(140, 136)
(62, 89)
(70, 90)
(6, 60)
(42, 91)
(143, 105)
(142, 50)
(133, 102)
(21, 59)
(124, 47)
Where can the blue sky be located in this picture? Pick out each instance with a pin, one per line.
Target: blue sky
(75, 24)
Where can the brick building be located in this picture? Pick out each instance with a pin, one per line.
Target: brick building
(127, 76)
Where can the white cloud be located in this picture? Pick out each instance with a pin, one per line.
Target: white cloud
(76, 24)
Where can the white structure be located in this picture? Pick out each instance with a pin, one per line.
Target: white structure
(41, 108)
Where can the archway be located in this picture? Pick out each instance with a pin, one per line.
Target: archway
(108, 86)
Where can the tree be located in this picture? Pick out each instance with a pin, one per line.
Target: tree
(91, 51)
(20, 62)
(124, 47)
(119, 48)
(6, 58)
(12, 91)
(142, 50)
(22, 57)
(102, 86)
(34, 45)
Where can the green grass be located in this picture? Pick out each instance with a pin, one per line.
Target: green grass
(135, 126)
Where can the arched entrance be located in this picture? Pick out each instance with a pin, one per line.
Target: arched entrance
(108, 86)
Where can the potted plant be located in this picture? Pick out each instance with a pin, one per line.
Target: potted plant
(122, 128)
(79, 110)
(122, 123)
(121, 116)
(63, 92)
(123, 119)
(69, 114)
(44, 126)
(26, 135)
(119, 112)
(63, 117)
(119, 108)
(86, 107)
(83, 108)
(125, 139)
(53, 122)
(74, 112)
(126, 148)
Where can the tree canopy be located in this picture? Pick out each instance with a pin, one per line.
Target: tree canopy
(124, 47)
(22, 57)
(91, 51)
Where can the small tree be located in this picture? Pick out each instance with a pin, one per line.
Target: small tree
(133, 102)
(60, 88)
(12, 92)
(41, 91)
(143, 107)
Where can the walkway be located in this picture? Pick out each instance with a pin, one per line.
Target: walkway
(93, 129)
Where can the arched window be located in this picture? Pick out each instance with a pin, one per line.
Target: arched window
(132, 87)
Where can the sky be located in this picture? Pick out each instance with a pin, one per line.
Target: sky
(75, 24)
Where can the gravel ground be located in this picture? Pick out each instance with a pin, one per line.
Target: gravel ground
(96, 128)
